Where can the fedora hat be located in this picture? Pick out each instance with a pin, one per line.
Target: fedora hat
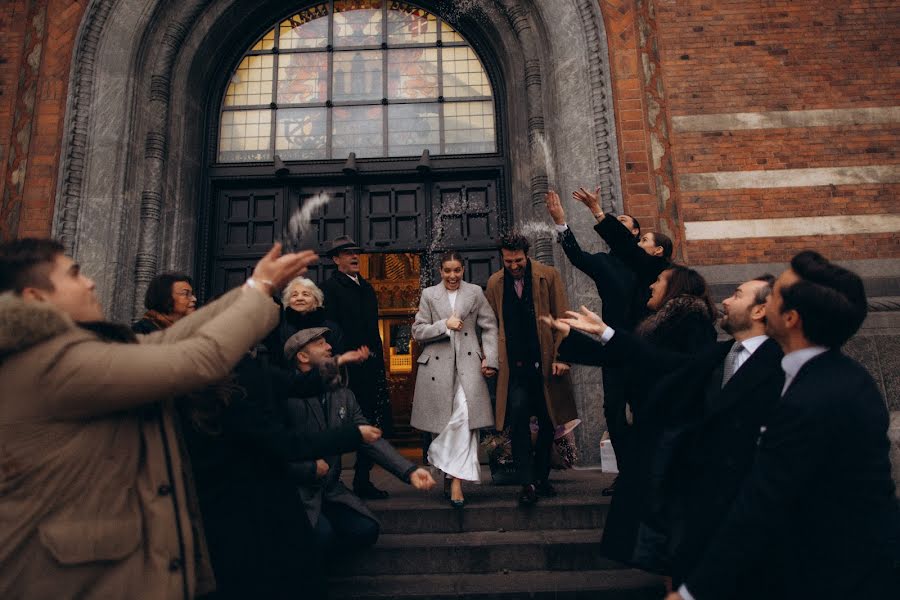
(342, 242)
(296, 342)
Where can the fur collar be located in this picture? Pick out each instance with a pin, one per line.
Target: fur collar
(26, 324)
(671, 312)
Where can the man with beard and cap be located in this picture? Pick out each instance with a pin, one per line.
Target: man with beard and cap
(339, 518)
(350, 301)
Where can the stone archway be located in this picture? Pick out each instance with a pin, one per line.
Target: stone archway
(134, 147)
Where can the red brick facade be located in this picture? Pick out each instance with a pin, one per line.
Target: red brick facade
(35, 59)
(669, 60)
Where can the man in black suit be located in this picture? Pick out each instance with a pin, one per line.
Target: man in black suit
(827, 539)
(617, 275)
(350, 301)
(715, 405)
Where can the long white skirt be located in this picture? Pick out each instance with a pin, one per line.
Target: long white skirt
(455, 450)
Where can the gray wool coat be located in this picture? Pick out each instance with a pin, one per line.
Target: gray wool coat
(444, 360)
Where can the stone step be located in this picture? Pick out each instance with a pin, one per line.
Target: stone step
(484, 514)
(624, 584)
(482, 552)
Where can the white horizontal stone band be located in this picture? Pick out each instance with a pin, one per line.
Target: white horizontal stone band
(784, 178)
(831, 117)
(793, 226)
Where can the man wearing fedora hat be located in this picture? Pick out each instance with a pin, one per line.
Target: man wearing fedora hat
(350, 301)
(339, 518)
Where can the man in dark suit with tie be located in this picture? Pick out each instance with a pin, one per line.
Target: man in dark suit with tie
(826, 539)
(715, 406)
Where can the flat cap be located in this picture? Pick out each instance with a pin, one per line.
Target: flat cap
(300, 339)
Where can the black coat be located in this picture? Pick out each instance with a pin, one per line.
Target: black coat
(706, 452)
(614, 280)
(259, 538)
(683, 328)
(355, 309)
(646, 268)
(819, 502)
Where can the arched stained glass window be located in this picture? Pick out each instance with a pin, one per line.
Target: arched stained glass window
(381, 79)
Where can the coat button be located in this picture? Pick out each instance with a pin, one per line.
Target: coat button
(470, 354)
(432, 378)
(465, 333)
(164, 489)
(174, 565)
(437, 358)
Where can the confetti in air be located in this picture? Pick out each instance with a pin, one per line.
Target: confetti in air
(298, 225)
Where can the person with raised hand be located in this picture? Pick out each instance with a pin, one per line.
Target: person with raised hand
(93, 501)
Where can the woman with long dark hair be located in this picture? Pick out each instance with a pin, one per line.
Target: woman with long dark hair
(451, 397)
(681, 323)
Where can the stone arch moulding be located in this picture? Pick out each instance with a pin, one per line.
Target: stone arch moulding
(132, 166)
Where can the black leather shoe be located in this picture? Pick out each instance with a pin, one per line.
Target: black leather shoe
(457, 503)
(609, 491)
(545, 490)
(370, 492)
(528, 496)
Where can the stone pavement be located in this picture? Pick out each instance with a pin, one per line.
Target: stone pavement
(491, 548)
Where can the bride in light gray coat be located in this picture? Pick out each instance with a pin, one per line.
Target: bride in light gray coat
(458, 332)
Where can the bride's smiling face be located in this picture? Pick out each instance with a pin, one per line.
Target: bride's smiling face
(451, 274)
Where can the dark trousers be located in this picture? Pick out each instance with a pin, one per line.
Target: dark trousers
(340, 528)
(525, 399)
(614, 400)
(361, 473)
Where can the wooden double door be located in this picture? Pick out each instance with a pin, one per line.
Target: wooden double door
(383, 216)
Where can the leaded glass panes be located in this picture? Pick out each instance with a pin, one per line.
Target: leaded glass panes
(374, 77)
(468, 127)
(306, 29)
(358, 23)
(358, 75)
(251, 84)
(413, 74)
(357, 129)
(413, 128)
(464, 77)
(300, 134)
(411, 25)
(244, 136)
(302, 78)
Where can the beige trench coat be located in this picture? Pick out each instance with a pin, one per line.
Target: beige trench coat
(549, 299)
(89, 462)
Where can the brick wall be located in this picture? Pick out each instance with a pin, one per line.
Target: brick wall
(725, 68)
(35, 60)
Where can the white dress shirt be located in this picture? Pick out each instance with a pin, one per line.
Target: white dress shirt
(794, 361)
(748, 347)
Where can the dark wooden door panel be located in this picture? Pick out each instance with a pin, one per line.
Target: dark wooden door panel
(393, 217)
(464, 213)
(249, 221)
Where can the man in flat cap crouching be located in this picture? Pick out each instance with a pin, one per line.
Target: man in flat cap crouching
(339, 517)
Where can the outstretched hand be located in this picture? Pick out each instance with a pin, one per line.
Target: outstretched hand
(554, 208)
(370, 434)
(354, 357)
(275, 270)
(592, 201)
(556, 324)
(585, 320)
(421, 479)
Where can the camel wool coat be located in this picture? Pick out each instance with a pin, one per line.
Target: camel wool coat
(549, 295)
(444, 360)
(93, 500)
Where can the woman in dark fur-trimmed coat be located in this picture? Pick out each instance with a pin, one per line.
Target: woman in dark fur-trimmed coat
(681, 324)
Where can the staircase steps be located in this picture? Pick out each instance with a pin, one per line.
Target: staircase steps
(491, 548)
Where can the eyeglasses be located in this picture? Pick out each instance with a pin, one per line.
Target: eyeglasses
(185, 293)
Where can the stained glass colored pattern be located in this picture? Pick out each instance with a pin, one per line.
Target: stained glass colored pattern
(374, 77)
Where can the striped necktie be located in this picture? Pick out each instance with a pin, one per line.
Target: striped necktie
(731, 362)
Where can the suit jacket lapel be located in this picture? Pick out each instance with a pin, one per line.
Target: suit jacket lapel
(748, 377)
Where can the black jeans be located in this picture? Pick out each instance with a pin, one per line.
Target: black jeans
(525, 399)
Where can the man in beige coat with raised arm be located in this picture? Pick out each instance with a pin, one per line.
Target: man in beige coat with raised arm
(92, 495)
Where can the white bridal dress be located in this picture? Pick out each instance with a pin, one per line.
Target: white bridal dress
(455, 450)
